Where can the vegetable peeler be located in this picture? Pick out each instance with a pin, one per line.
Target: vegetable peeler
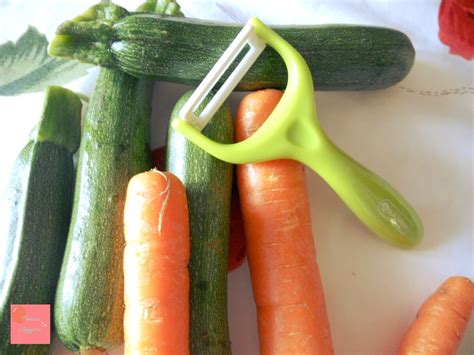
(292, 131)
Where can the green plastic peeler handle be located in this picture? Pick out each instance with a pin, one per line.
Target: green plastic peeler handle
(292, 131)
(375, 202)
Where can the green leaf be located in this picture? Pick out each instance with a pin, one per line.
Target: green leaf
(26, 67)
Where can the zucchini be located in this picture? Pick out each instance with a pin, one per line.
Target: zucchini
(115, 146)
(208, 183)
(35, 212)
(340, 57)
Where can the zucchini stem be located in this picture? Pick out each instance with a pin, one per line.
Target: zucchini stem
(88, 37)
(61, 120)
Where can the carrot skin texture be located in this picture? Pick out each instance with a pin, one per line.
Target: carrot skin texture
(156, 261)
(291, 311)
(442, 319)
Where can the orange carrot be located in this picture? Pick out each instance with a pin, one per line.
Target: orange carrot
(291, 311)
(156, 279)
(441, 320)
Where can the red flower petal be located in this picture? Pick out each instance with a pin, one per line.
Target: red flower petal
(456, 26)
(467, 5)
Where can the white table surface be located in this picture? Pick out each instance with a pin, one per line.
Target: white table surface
(418, 135)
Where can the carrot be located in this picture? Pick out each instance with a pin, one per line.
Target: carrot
(156, 279)
(441, 321)
(236, 253)
(291, 311)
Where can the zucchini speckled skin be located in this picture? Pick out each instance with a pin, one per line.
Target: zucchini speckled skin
(340, 57)
(208, 183)
(35, 213)
(114, 147)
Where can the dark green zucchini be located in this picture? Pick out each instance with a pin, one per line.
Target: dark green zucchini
(115, 146)
(340, 57)
(35, 212)
(208, 183)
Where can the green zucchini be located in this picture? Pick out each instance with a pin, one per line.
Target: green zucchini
(35, 212)
(340, 57)
(208, 183)
(115, 146)
(89, 301)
